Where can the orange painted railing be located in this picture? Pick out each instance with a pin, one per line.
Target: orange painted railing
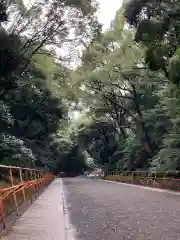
(19, 185)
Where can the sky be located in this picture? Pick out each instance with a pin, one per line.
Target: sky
(106, 12)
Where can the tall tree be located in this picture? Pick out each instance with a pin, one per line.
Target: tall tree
(117, 88)
(33, 104)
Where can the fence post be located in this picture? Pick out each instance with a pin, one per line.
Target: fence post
(3, 219)
(132, 177)
(14, 194)
(26, 175)
(38, 185)
(35, 184)
(22, 181)
(32, 186)
(45, 178)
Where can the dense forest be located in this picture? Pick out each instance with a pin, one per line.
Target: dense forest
(34, 61)
(122, 85)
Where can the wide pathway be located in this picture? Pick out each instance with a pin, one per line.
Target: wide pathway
(44, 219)
(110, 211)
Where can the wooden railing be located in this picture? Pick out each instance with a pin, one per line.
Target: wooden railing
(164, 180)
(18, 185)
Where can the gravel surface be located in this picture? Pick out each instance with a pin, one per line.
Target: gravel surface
(108, 211)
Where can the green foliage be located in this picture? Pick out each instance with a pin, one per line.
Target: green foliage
(174, 67)
(157, 26)
(125, 91)
(3, 11)
(129, 122)
(162, 43)
(34, 82)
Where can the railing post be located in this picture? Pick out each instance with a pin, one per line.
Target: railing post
(31, 176)
(26, 175)
(3, 219)
(45, 177)
(32, 186)
(22, 182)
(43, 181)
(14, 194)
(36, 186)
(132, 177)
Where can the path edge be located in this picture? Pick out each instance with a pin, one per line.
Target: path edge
(69, 231)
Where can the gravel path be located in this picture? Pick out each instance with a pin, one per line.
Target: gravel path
(108, 211)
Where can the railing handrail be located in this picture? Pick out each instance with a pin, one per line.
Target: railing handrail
(150, 172)
(31, 179)
(16, 167)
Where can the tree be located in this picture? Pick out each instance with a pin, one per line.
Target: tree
(33, 104)
(118, 90)
(157, 26)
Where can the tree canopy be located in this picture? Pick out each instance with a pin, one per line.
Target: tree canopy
(33, 73)
(124, 90)
(127, 85)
